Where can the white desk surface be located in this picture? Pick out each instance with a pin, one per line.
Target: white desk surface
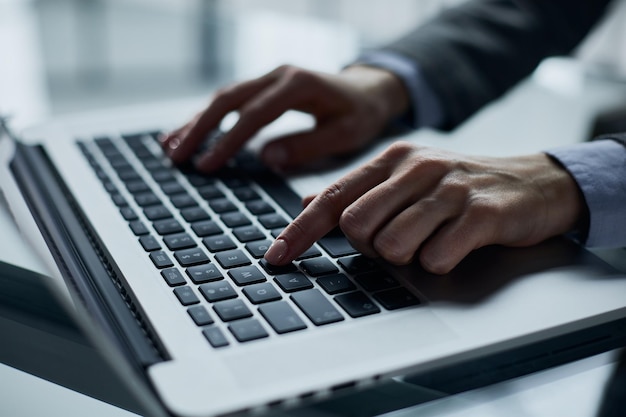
(562, 105)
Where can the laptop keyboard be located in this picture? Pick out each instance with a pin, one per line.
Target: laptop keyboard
(206, 236)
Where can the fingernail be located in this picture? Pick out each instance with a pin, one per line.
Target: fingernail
(276, 251)
(275, 155)
(172, 145)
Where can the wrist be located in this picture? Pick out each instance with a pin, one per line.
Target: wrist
(384, 88)
(567, 209)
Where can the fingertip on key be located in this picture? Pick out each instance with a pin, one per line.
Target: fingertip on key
(277, 252)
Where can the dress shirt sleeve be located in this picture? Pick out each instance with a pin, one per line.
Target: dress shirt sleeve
(425, 107)
(599, 168)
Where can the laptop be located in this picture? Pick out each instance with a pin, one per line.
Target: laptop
(162, 268)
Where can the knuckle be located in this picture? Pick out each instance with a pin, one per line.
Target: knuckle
(392, 250)
(250, 111)
(433, 263)
(453, 189)
(483, 210)
(283, 69)
(298, 76)
(223, 94)
(353, 227)
(398, 150)
(331, 195)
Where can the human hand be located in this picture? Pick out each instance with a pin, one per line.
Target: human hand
(350, 109)
(437, 205)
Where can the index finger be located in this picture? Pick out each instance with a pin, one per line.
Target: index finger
(322, 214)
(224, 102)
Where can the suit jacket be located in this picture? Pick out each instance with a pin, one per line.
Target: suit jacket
(472, 54)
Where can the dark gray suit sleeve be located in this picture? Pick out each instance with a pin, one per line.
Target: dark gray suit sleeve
(473, 53)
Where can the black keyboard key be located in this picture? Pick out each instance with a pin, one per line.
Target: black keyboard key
(318, 266)
(149, 243)
(137, 186)
(104, 142)
(147, 199)
(357, 304)
(396, 298)
(358, 264)
(277, 269)
(157, 212)
(109, 186)
(172, 187)
(190, 257)
(215, 336)
(221, 205)
(219, 243)
(232, 258)
(128, 214)
(200, 315)
(230, 310)
(206, 228)
(336, 283)
(167, 227)
(316, 307)
(248, 234)
(258, 248)
(179, 241)
(336, 244)
(246, 330)
(376, 281)
(119, 200)
(162, 175)
(233, 181)
(194, 214)
(153, 164)
(127, 174)
(311, 252)
(282, 317)
(173, 277)
(196, 179)
(138, 228)
(183, 200)
(217, 291)
(272, 220)
(235, 219)
(118, 161)
(246, 275)
(134, 140)
(210, 192)
(204, 273)
(160, 259)
(295, 281)
(258, 207)
(186, 295)
(261, 293)
(245, 193)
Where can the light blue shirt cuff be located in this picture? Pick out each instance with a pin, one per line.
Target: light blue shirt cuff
(426, 110)
(599, 168)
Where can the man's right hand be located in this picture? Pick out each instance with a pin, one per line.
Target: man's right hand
(350, 109)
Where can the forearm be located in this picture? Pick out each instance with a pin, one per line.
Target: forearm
(472, 54)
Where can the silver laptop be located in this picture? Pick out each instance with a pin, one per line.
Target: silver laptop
(163, 269)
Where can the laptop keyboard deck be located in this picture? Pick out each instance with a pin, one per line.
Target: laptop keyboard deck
(206, 236)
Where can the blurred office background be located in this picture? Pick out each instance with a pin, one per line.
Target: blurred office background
(61, 56)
